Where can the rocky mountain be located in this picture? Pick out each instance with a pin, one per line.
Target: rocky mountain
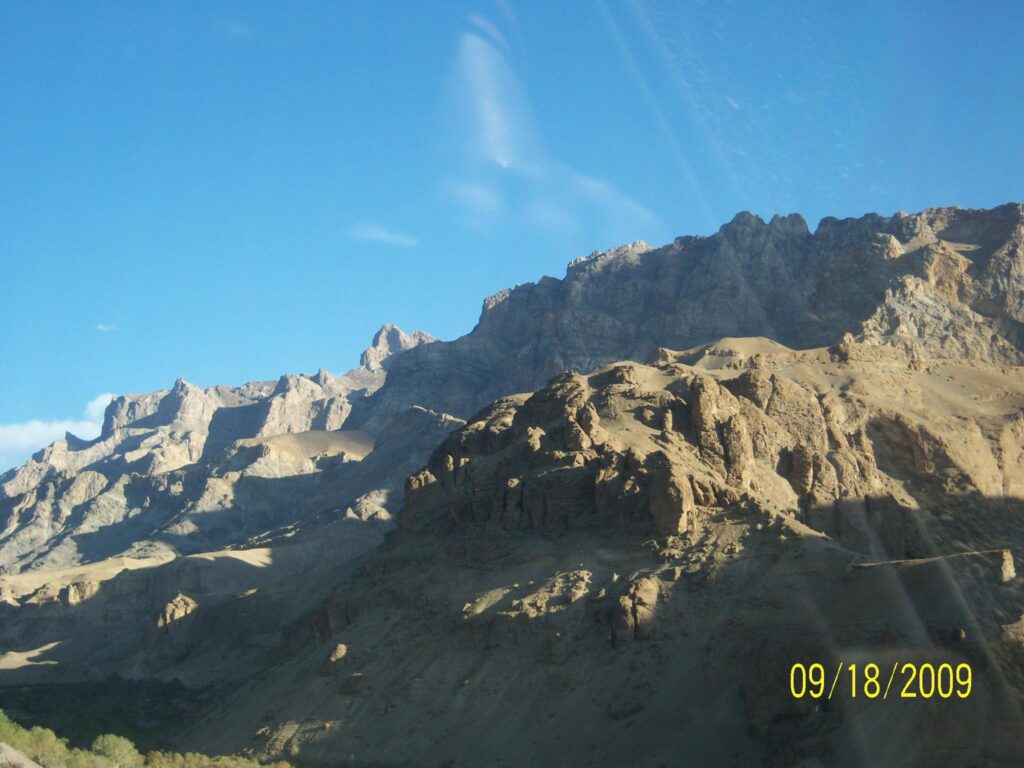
(944, 282)
(623, 566)
(645, 489)
(191, 469)
(388, 342)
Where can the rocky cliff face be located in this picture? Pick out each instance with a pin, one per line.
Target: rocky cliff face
(819, 435)
(188, 469)
(645, 449)
(388, 342)
(944, 282)
(646, 489)
(637, 556)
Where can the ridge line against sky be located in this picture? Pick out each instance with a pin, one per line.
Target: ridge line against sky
(233, 191)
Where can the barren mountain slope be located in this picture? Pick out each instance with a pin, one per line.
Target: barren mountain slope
(943, 283)
(212, 615)
(115, 540)
(634, 555)
(189, 469)
(621, 568)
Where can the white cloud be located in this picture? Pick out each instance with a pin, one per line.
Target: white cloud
(375, 233)
(493, 105)
(19, 441)
(106, 327)
(611, 199)
(509, 174)
(490, 29)
(95, 408)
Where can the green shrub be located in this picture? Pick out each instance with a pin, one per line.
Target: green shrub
(108, 751)
(118, 750)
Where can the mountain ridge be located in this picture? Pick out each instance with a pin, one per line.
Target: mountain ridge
(150, 435)
(892, 279)
(614, 454)
(751, 278)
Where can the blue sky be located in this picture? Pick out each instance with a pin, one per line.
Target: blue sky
(231, 191)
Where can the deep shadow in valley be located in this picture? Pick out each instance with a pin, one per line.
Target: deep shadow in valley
(705, 672)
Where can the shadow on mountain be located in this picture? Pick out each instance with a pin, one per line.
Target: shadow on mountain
(702, 670)
(633, 646)
(231, 424)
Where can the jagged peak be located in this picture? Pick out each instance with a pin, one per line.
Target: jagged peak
(792, 222)
(76, 443)
(286, 383)
(746, 223)
(184, 387)
(743, 219)
(496, 298)
(595, 257)
(387, 342)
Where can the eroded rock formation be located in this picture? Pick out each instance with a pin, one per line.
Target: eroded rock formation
(681, 470)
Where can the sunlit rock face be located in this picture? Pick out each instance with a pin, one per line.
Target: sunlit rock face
(165, 460)
(946, 283)
(626, 499)
(690, 528)
(388, 342)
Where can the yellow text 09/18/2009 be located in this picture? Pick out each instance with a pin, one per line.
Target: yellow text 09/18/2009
(903, 680)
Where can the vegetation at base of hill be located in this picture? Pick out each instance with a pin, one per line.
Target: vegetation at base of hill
(107, 751)
(148, 712)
